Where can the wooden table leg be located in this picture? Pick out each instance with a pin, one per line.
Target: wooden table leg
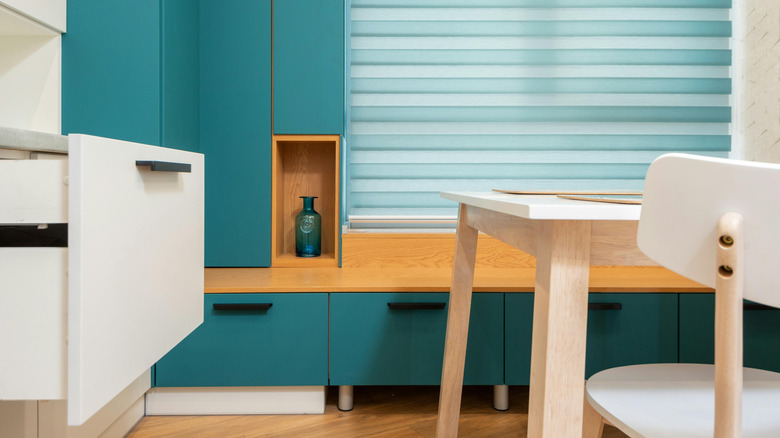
(457, 328)
(559, 330)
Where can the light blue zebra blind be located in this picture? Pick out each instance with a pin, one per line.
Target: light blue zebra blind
(528, 94)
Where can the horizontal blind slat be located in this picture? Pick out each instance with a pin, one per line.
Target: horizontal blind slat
(559, 28)
(541, 57)
(560, 71)
(544, 3)
(517, 99)
(359, 14)
(540, 43)
(543, 85)
(552, 128)
(551, 142)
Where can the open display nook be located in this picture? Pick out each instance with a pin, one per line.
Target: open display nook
(304, 165)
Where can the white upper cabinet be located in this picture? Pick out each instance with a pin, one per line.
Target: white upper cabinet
(50, 13)
(30, 64)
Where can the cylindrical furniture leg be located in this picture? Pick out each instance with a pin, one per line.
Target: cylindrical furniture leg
(346, 399)
(500, 397)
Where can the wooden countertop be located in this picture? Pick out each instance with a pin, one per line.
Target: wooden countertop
(265, 280)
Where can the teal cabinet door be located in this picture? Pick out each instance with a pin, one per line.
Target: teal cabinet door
(761, 332)
(309, 67)
(519, 315)
(623, 329)
(180, 79)
(285, 345)
(382, 339)
(235, 130)
(111, 70)
(130, 71)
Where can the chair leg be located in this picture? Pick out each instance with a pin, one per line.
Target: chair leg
(592, 422)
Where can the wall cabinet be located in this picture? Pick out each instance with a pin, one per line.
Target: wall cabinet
(398, 339)
(761, 334)
(30, 53)
(253, 340)
(235, 130)
(129, 71)
(623, 329)
(308, 67)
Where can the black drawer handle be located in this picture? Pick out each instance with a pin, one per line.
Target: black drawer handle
(242, 306)
(164, 166)
(605, 306)
(416, 306)
(756, 306)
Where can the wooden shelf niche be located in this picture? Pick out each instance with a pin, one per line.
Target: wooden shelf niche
(304, 165)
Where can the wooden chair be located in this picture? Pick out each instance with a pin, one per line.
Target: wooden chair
(717, 222)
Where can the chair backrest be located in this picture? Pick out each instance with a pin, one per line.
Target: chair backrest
(684, 198)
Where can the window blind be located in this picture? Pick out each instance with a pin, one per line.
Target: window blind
(527, 94)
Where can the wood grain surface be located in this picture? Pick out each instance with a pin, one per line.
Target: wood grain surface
(380, 412)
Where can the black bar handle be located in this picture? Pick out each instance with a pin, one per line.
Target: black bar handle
(416, 306)
(242, 306)
(756, 306)
(165, 166)
(605, 306)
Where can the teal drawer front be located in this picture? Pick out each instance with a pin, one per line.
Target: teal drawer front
(644, 330)
(308, 67)
(286, 345)
(372, 344)
(761, 335)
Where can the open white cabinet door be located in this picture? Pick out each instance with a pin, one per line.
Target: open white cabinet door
(135, 264)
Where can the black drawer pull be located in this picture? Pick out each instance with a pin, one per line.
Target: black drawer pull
(605, 306)
(756, 306)
(242, 306)
(164, 166)
(416, 306)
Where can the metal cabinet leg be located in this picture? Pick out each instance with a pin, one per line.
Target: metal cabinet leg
(500, 397)
(346, 398)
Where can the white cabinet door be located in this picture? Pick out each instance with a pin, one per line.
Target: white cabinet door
(135, 248)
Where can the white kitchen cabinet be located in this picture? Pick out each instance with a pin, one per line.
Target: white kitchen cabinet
(83, 322)
(50, 13)
(30, 64)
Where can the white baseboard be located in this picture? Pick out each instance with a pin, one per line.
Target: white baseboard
(114, 420)
(236, 400)
(125, 423)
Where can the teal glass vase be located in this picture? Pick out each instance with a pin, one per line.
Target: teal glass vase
(308, 230)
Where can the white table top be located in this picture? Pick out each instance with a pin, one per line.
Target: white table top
(545, 207)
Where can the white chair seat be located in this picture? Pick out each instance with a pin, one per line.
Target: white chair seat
(678, 400)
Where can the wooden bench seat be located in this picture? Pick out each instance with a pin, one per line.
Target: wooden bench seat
(265, 280)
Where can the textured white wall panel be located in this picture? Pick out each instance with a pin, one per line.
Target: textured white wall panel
(759, 105)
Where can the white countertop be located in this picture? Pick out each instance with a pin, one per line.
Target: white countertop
(22, 139)
(545, 207)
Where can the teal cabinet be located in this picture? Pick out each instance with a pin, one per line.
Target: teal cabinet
(623, 329)
(377, 339)
(111, 67)
(235, 130)
(129, 71)
(761, 332)
(308, 67)
(285, 345)
(519, 314)
(180, 74)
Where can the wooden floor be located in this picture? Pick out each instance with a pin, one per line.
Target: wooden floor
(392, 412)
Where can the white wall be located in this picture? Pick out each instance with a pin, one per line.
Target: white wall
(757, 37)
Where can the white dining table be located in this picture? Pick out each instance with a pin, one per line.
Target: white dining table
(566, 237)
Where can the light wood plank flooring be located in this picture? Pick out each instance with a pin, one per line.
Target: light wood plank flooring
(380, 412)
